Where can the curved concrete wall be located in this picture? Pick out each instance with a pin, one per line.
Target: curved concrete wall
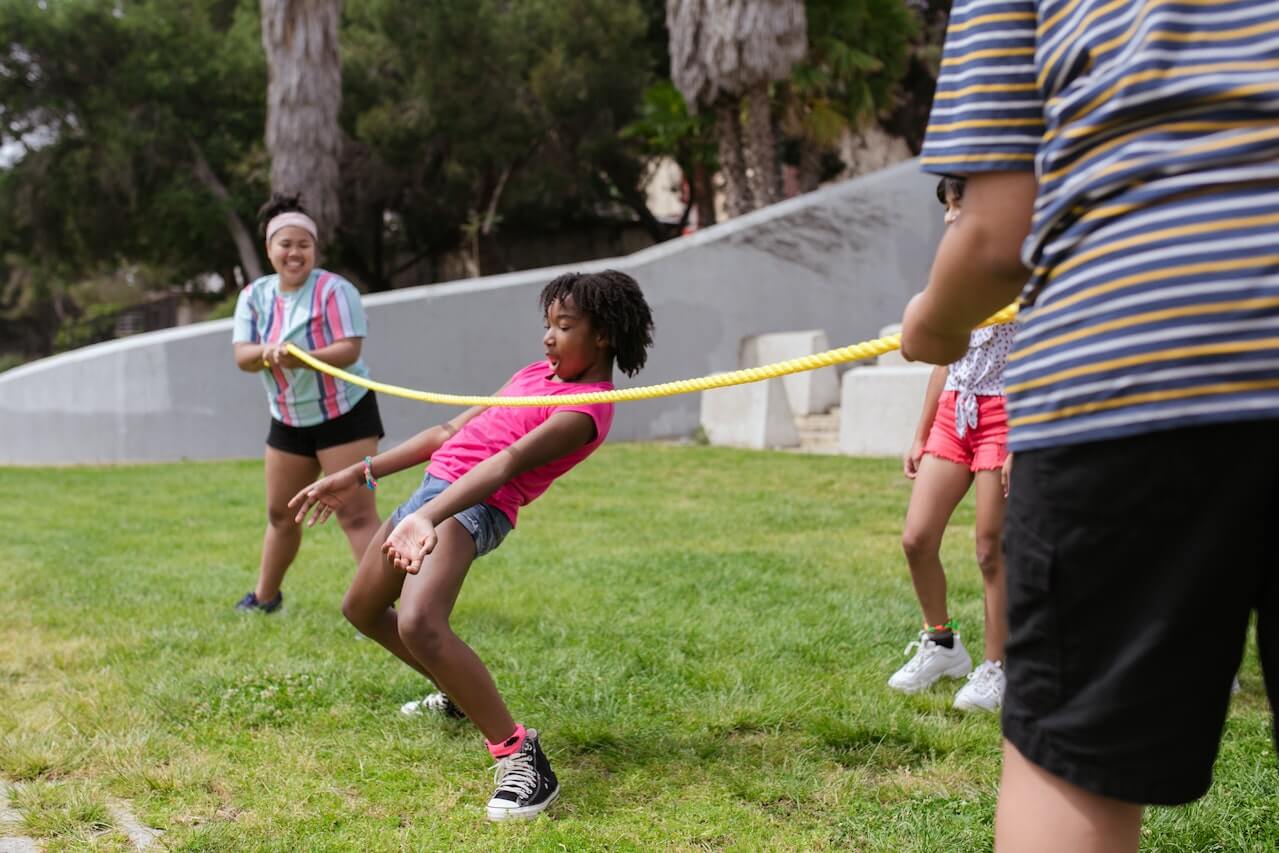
(843, 259)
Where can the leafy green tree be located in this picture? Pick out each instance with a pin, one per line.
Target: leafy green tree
(912, 98)
(464, 116)
(858, 51)
(134, 116)
(667, 129)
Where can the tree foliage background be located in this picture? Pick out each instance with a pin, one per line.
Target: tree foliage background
(134, 159)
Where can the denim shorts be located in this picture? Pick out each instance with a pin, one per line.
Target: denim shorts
(487, 526)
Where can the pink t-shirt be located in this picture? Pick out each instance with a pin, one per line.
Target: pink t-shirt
(495, 428)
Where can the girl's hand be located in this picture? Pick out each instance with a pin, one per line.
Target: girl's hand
(326, 495)
(409, 543)
(910, 462)
(1006, 473)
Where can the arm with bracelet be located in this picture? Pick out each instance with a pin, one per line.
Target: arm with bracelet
(328, 494)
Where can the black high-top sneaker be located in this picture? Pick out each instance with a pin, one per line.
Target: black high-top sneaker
(525, 783)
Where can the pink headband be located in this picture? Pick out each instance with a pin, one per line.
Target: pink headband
(284, 220)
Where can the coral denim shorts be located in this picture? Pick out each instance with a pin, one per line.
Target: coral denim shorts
(983, 447)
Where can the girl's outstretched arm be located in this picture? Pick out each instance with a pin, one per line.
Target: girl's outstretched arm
(327, 494)
(559, 435)
(977, 270)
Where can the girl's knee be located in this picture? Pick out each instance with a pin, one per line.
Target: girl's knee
(989, 556)
(358, 612)
(423, 631)
(281, 517)
(357, 517)
(919, 544)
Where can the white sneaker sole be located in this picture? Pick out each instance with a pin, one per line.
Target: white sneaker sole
(526, 813)
(957, 671)
(965, 705)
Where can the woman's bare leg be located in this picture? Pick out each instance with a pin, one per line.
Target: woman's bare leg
(286, 475)
(358, 516)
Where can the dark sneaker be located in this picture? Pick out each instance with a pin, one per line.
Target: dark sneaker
(250, 604)
(525, 783)
(433, 704)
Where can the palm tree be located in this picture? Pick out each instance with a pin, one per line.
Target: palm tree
(303, 95)
(724, 55)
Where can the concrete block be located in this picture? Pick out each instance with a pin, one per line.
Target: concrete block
(894, 358)
(809, 393)
(755, 416)
(880, 408)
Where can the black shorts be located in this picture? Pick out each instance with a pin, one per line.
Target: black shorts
(1133, 567)
(363, 421)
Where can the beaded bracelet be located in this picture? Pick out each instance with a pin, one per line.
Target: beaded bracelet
(369, 479)
(952, 625)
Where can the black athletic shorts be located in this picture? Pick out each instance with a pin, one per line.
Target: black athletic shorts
(1133, 566)
(363, 421)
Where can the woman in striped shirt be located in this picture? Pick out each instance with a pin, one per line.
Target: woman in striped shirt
(1123, 176)
(318, 423)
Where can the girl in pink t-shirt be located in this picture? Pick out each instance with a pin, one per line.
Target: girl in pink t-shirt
(484, 465)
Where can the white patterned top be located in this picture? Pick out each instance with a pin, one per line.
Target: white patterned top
(979, 373)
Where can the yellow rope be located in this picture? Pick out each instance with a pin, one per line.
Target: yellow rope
(854, 352)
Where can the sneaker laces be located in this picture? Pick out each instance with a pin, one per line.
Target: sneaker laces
(923, 651)
(436, 701)
(515, 774)
(983, 678)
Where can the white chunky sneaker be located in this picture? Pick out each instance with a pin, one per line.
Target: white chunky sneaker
(930, 663)
(984, 690)
(432, 704)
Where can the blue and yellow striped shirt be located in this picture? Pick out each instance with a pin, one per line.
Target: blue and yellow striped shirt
(1153, 130)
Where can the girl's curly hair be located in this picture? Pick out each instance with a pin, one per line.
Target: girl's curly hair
(616, 307)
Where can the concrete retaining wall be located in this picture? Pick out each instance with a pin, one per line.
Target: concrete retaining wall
(843, 259)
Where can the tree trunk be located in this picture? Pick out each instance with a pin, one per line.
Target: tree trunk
(737, 191)
(810, 165)
(760, 147)
(245, 245)
(703, 195)
(303, 95)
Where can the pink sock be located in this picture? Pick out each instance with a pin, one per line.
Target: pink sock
(510, 745)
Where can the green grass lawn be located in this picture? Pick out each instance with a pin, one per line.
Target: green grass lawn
(701, 635)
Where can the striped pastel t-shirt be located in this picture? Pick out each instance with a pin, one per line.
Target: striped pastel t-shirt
(322, 311)
(1153, 129)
